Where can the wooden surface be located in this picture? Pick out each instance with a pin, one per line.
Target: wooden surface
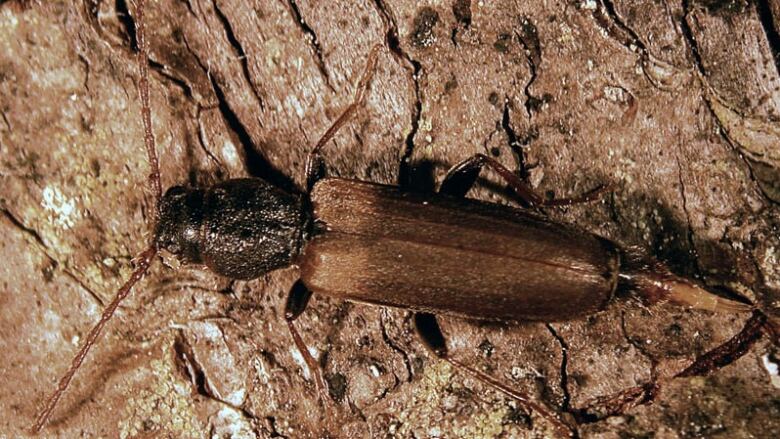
(674, 103)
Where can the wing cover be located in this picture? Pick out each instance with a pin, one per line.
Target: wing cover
(451, 256)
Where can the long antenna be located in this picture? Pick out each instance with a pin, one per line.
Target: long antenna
(146, 257)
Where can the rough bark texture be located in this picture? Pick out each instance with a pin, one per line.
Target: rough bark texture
(676, 103)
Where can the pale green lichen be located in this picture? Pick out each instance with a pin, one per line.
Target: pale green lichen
(427, 416)
(165, 406)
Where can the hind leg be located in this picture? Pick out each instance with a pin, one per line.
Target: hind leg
(430, 333)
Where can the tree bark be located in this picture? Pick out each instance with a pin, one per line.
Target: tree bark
(674, 103)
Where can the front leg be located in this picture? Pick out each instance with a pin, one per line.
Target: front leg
(314, 163)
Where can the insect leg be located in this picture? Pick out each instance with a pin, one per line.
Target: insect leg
(297, 300)
(714, 359)
(731, 350)
(430, 333)
(461, 177)
(314, 162)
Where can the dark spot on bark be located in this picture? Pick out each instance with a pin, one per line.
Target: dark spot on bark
(94, 165)
(493, 98)
(517, 416)
(337, 386)
(418, 365)
(486, 347)
(462, 11)
(48, 271)
(424, 23)
(502, 43)
(451, 84)
(724, 7)
(673, 330)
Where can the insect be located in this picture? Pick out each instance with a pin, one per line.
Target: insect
(244, 228)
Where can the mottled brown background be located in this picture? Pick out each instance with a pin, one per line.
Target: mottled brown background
(675, 103)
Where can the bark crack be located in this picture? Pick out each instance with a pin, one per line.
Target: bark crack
(162, 70)
(188, 365)
(33, 235)
(529, 39)
(689, 38)
(394, 346)
(697, 60)
(394, 44)
(255, 163)
(608, 19)
(311, 38)
(516, 144)
(613, 15)
(6, 121)
(688, 227)
(238, 49)
(764, 10)
(566, 403)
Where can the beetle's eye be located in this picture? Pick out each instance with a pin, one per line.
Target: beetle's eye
(175, 191)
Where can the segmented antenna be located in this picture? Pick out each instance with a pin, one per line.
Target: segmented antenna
(145, 258)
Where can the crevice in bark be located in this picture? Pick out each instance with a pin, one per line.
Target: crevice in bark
(689, 38)
(529, 39)
(688, 226)
(516, 144)
(238, 49)
(204, 143)
(41, 244)
(608, 19)
(768, 23)
(461, 9)
(613, 15)
(128, 22)
(394, 43)
(314, 42)
(394, 346)
(178, 82)
(256, 163)
(566, 403)
(6, 121)
(193, 371)
(699, 65)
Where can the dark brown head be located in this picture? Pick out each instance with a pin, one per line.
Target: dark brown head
(240, 228)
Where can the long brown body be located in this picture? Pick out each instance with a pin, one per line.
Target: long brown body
(438, 254)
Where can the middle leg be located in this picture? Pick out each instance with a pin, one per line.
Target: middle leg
(463, 176)
(297, 299)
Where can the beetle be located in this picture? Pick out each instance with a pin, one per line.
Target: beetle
(391, 240)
